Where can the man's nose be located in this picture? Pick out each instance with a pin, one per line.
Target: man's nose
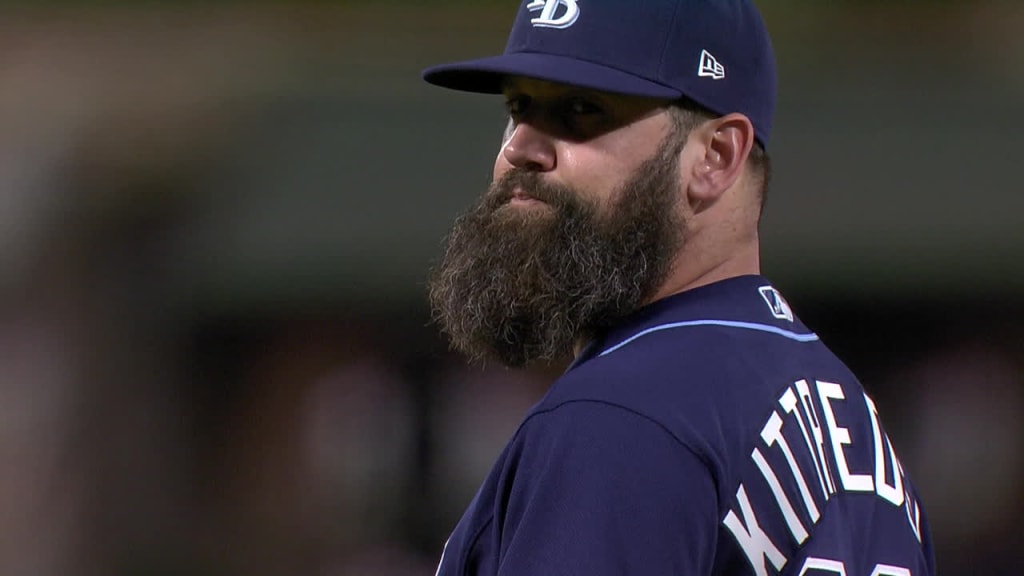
(530, 148)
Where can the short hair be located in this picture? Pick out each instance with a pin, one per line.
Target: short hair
(686, 115)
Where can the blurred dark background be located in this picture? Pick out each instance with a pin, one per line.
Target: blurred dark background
(215, 353)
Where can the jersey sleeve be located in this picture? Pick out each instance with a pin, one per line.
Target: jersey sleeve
(598, 490)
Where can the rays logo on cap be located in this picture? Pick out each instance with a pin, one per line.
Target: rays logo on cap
(550, 16)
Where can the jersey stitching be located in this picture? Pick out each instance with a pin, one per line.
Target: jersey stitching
(809, 337)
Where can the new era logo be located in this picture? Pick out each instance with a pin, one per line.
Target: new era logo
(778, 305)
(710, 67)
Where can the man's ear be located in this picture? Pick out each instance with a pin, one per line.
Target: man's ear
(723, 145)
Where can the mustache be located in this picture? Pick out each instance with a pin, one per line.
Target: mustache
(532, 184)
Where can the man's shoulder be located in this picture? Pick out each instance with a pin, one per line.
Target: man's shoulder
(700, 363)
(709, 383)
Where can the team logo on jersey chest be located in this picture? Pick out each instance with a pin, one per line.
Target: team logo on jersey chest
(552, 14)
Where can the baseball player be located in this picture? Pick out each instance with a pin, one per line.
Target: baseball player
(702, 428)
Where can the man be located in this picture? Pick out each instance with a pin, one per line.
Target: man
(702, 428)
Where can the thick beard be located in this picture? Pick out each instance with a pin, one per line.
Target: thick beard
(524, 285)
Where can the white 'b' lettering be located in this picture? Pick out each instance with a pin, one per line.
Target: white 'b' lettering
(549, 8)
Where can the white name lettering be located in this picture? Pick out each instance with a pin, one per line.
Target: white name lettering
(893, 493)
(840, 437)
(788, 402)
(772, 435)
(820, 457)
(796, 528)
(751, 538)
(804, 393)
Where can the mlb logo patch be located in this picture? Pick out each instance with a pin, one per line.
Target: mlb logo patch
(776, 303)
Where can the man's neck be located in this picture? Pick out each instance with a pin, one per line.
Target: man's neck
(743, 262)
(692, 272)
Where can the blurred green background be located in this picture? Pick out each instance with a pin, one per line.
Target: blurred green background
(215, 353)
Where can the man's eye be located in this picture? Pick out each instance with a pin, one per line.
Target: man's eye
(516, 105)
(582, 107)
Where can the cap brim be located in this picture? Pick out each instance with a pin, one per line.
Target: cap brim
(487, 75)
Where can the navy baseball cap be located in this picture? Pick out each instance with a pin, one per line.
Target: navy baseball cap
(714, 52)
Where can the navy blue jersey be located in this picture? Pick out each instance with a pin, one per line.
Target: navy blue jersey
(710, 434)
